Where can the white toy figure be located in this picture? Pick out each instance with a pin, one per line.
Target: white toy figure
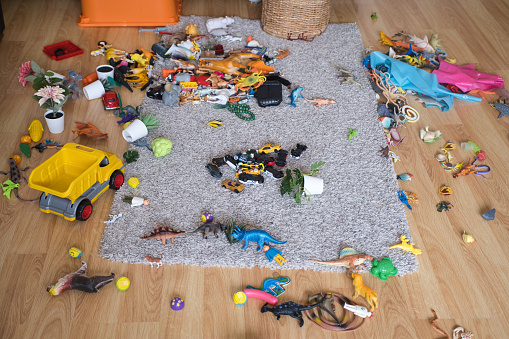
(216, 23)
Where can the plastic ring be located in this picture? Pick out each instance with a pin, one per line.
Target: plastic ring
(411, 113)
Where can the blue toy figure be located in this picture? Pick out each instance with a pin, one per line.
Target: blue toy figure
(258, 236)
(274, 254)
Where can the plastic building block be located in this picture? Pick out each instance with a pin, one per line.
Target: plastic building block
(62, 50)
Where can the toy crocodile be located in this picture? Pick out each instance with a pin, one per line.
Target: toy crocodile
(16, 178)
(258, 236)
(163, 233)
(290, 308)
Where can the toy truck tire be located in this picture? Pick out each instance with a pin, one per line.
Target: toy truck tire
(116, 179)
(84, 210)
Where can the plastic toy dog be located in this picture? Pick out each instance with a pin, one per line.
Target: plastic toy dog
(364, 291)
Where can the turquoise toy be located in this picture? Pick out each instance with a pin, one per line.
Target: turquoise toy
(383, 268)
(258, 236)
(273, 286)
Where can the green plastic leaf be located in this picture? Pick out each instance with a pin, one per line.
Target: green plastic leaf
(8, 186)
(36, 68)
(30, 78)
(470, 146)
(315, 167)
(298, 197)
(25, 148)
(49, 74)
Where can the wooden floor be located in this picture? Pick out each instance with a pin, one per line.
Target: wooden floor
(467, 285)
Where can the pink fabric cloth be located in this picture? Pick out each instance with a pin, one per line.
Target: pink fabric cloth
(466, 78)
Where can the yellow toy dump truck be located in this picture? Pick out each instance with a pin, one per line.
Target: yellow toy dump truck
(73, 178)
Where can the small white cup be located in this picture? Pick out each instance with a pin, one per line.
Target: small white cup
(94, 91)
(134, 131)
(313, 185)
(104, 71)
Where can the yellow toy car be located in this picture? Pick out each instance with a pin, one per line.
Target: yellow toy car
(234, 186)
(269, 148)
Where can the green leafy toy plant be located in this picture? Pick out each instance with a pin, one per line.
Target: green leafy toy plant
(131, 156)
(230, 228)
(150, 121)
(293, 182)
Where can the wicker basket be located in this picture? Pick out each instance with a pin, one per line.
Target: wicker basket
(295, 19)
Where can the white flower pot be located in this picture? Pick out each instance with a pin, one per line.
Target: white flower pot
(104, 71)
(312, 185)
(55, 125)
(136, 130)
(94, 91)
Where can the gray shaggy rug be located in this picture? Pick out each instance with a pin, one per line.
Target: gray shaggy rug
(359, 207)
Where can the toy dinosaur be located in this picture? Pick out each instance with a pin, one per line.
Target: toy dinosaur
(207, 228)
(348, 258)
(15, 174)
(290, 308)
(364, 291)
(88, 129)
(163, 233)
(79, 281)
(320, 101)
(258, 236)
(156, 261)
(345, 76)
(406, 246)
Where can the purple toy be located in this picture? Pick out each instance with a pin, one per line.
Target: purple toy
(177, 304)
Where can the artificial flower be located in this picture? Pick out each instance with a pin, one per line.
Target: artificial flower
(24, 70)
(54, 93)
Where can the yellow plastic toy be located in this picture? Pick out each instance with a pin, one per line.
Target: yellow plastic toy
(35, 130)
(73, 178)
(364, 291)
(405, 246)
(123, 283)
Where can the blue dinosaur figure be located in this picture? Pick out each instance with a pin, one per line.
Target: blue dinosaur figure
(295, 95)
(258, 236)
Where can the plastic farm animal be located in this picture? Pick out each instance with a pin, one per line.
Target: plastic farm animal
(216, 23)
(79, 281)
(364, 291)
(258, 236)
(154, 261)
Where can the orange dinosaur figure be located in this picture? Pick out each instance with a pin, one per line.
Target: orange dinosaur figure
(90, 130)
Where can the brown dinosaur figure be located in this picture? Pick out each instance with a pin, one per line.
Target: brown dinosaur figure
(163, 233)
(320, 101)
(348, 258)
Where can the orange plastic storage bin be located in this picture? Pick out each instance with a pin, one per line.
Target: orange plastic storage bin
(96, 13)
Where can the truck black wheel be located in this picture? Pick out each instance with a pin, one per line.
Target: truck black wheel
(116, 180)
(84, 210)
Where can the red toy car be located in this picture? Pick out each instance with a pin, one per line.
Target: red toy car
(110, 100)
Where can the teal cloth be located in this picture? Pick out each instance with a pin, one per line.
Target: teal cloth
(412, 78)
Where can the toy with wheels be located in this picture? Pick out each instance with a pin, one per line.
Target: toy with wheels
(73, 178)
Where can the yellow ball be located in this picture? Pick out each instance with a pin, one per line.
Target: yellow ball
(133, 182)
(123, 283)
(239, 298)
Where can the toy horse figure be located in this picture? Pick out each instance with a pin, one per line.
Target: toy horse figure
(79, 281)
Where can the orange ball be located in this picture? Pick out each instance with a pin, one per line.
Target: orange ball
(26, 139)
(16, 158)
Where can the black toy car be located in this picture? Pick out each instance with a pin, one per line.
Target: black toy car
(250, 179)
(214, 171)
(276, 174)
(281, 158)
(298, 150)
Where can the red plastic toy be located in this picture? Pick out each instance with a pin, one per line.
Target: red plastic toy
(62, 50)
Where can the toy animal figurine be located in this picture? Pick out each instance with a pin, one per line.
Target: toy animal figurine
(444, 206)
(217, 23)
(477, 170)
(348, 258)
(383, 268)
(207, 228)
(296, 94)
(345, 76)
(258, 236)
(163, 233)
(406, 246)
(154, 261)
(16, 177)
(224, 66)
(290, 308)
(321, 102)
(328, 306)
(79, 281)
(364, 291)
(90, 130)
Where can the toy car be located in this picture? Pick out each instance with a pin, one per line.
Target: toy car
(276, 174)
(265, 159)
(269, 148)
(281, 158)
(214, 171)
(218, 162)
(230, 161)
(250, 179)
(298, 150)
(110, 100)
(234, 186)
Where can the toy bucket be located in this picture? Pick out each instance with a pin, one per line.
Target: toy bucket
(136, 130)
(312, 185)
(94, 91)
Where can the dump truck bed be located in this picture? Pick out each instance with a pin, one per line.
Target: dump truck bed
(69, 172)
